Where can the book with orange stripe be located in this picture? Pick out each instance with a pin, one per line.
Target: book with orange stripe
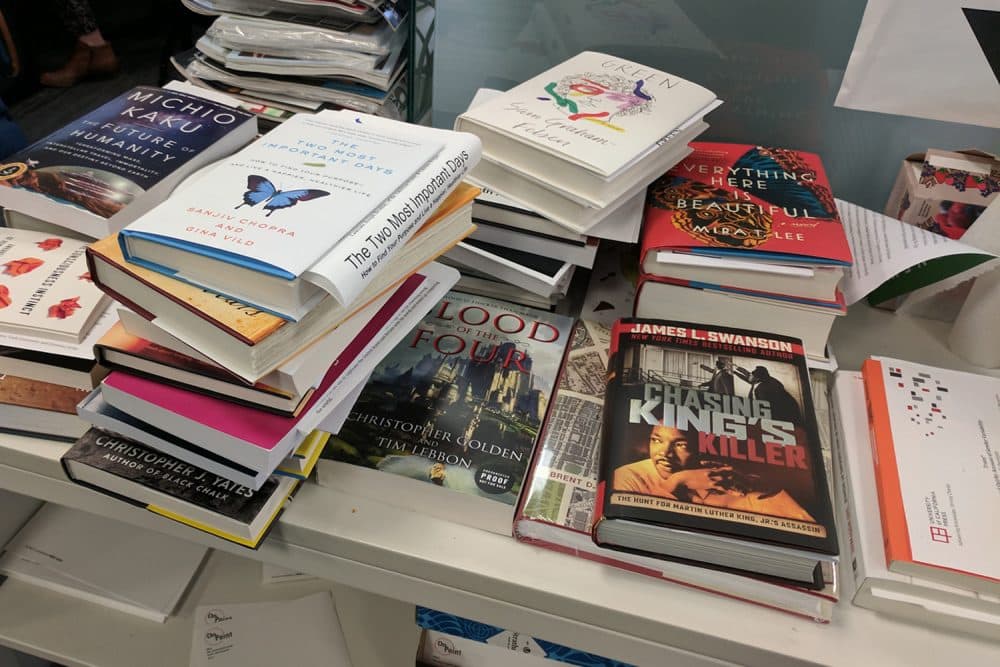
(937, 471)
(246, 340)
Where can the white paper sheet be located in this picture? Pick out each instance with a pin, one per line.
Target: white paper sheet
(921, 58)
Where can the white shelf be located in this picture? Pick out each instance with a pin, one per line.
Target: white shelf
(76, 633)
(392, 552)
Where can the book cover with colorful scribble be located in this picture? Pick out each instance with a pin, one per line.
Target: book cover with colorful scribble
(743, 199)
(599, 110)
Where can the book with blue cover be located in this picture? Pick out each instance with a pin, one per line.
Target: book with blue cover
(101, 171)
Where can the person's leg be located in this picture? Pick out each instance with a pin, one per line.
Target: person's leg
(91, 56)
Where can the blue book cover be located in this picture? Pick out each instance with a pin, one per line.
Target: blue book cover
(457, 626)
(107, 158)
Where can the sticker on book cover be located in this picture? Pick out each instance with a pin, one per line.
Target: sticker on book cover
(12, 170)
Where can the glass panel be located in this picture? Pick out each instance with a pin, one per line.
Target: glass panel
(776, 63)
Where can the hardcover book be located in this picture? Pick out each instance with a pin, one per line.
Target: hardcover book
(556, 510)
(118, 349)
(252, 219)
(175, 489)
(755, 203)
(455, 408)
(711, 452)
(938, 512)
(594, 111)
(914, 598)
(246, 340)
(40, 408)
(109, 166)
(45, 288)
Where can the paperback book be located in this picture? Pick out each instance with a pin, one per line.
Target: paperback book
(711, 452)
(45, 288)
(938, 512)
(556, 510)
(455, 408)
(104, 169)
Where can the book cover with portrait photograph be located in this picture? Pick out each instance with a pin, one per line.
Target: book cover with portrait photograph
(710, 433)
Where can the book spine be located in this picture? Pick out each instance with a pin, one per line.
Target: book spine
(344, 272)
(846, 501)
(606, 427)
(890, 498)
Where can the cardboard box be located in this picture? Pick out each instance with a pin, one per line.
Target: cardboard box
(944, 191)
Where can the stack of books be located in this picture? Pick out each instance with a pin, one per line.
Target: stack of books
(281, 58)
(584, 138)
(450, 418)
(50, 316)
(566, 486)
(262, 293)
(745, 236)
(917, 488)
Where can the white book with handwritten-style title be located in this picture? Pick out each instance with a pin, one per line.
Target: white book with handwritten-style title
(594, 110)
(45, 287)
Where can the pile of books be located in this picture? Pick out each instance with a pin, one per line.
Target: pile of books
(745, 236)
(252, 303)
(917, 487)
(567, 157)
(603, 462)
(280, 58)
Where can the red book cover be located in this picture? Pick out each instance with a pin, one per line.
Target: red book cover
(746, 200)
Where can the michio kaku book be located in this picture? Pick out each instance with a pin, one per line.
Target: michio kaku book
(457, 405)
(556, 510)
(103, 169)
(711, 452)
(747, 200)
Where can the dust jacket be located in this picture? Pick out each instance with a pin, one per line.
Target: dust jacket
(595, 110)
(755, 201)
(712, 430)
(105, 161)
(45, 287)
(460, 402)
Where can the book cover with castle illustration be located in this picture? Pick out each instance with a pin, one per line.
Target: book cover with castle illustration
(460, 402)
(763, 202)
(110, 158)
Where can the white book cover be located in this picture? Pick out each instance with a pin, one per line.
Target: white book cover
(595, 110)
(45, 287)
(938, 468)
(106, 555)
(875, 586)
(304, 631)
(282, 202)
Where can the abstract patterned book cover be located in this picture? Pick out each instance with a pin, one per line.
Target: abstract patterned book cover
(753, 200)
